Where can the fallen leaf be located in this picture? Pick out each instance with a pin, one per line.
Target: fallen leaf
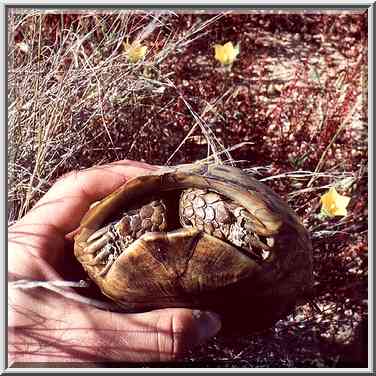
(227, 53)
(135, 51)
(334, 204)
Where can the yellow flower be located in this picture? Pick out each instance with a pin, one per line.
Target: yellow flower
(135, 52)
(227, 53)
(334, 204)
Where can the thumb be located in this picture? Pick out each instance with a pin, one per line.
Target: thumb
(46, 328)
(160, 335)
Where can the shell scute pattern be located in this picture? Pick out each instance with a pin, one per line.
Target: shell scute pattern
(210, 237)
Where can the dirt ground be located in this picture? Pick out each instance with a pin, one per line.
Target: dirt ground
(292, 107)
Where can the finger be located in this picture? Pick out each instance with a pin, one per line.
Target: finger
(71, 331)
(70, 197)
(160, 335)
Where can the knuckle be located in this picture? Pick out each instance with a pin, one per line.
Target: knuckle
(174, 335)
(68, 176)
(75, 178)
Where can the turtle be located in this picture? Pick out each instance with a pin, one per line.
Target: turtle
(202, 236)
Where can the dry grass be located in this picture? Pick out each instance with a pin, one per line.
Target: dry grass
(292, 110)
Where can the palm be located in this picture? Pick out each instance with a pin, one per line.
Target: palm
(40, 249)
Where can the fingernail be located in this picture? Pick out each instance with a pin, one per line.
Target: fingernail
(208, 323)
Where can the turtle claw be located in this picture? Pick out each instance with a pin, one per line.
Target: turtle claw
(102, 255)
(99, 243)
(110, 261)
(264, 250)
(256, 242)
(98, 233)
(265, 254)
(252, 253)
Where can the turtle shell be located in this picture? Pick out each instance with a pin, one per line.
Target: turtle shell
(187, 267)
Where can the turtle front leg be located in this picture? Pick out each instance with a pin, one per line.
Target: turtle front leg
(110, 261)
(109, 242)
(106, 251)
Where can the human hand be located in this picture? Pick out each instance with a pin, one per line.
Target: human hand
(48, 327)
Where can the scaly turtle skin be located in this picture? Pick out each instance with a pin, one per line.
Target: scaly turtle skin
(198, 236)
